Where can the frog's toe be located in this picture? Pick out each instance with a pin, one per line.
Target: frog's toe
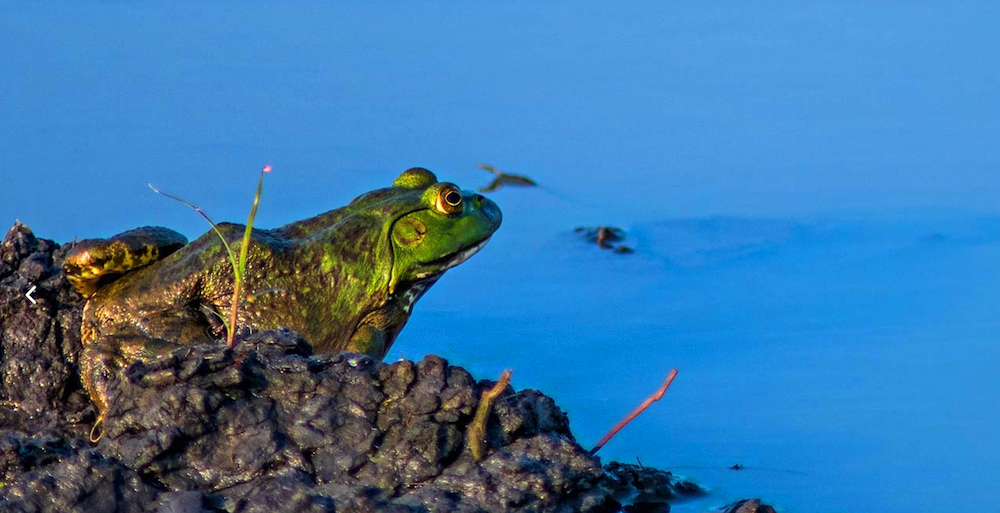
(93, 262)
(97, 432)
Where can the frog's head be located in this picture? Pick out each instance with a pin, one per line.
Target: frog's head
(428, 227)
(449, 227)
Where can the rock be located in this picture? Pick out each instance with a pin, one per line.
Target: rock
(270, 420)
(647, 487)
(648, 507)
(270, 426)
(748, 506)
(39, 379)
(61, 475)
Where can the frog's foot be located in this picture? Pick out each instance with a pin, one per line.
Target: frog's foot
(97, 363)
(104, 358)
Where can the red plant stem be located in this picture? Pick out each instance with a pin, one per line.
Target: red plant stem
(231, 336)
(635, 413)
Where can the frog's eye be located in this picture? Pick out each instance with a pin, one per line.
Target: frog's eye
(449, 201)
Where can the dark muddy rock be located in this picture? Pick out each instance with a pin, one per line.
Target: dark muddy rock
(39, 380)
(270, 426)
(648, 507)
(270, 419)
(53, 474)
(748, 506)
(647, 489)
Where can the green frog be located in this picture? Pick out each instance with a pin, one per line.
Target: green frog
(346, 280)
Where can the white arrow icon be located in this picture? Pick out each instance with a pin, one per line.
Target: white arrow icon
(28, 295)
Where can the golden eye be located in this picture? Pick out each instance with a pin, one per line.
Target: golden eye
(449, 201)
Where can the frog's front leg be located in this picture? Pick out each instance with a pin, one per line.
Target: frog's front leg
(377, 331)
(368, 340)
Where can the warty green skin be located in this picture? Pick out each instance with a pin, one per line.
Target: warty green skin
(346, 279)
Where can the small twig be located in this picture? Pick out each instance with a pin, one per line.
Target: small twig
(513, 396)
(635, 413)
(503, 178)
(477, 428)
(490, 169)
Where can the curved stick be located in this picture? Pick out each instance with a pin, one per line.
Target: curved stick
(635, 413)
(477, 428)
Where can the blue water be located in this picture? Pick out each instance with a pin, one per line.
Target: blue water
(810, 188)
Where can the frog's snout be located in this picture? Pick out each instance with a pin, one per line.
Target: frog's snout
(489, 209)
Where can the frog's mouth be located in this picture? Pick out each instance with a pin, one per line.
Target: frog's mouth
(436, 267)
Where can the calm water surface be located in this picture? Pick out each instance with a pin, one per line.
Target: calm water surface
(810, 188)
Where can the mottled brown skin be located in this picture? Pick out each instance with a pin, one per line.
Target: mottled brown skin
(346, 280)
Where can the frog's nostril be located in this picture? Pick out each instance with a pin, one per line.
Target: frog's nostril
(492, 211)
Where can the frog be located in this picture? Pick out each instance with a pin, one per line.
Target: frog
(346, 280)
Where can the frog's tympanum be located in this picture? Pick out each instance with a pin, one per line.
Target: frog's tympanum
(346, 280)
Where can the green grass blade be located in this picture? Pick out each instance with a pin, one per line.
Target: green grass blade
(253, 214)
